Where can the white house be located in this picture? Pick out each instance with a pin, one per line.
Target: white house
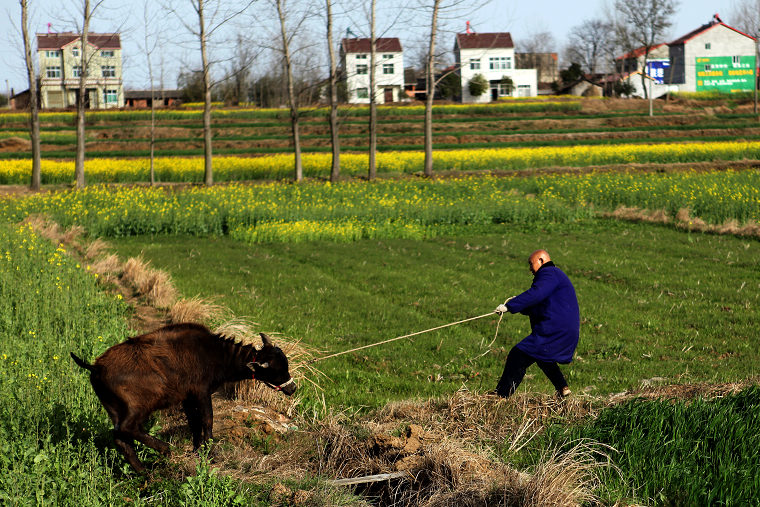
(714, 57)
(60, 61)
(493, 56)
(389, 69)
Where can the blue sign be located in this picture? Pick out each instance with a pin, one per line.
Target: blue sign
(656, 70)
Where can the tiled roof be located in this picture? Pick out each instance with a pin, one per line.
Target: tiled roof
(59, 40)
(704, 28)
(484, 40)
(639, 52)
(382, 44)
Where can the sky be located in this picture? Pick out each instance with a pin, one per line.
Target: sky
(520, 18)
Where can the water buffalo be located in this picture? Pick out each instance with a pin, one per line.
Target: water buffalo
(180, 363)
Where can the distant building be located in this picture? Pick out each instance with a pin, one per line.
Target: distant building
(546, 65)
(59, 56)
(389, 69)
(714, 57)
(142, 99)
(493, 56)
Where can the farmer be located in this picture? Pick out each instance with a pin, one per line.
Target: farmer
(552, 307)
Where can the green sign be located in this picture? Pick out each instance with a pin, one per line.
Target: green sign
(725, 73)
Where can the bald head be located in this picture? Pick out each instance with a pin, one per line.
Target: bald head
(538, 259)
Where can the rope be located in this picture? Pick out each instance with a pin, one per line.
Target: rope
(407, 336)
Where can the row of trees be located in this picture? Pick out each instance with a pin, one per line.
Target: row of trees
(209, 18)
(629, 24)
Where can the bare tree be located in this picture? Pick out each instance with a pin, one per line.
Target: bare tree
(430, 88)
(334, 137)
(746, 17)
(151, 41)
(83, 99)
(34, 118)
(645, 23)
(286, 36)
(587, 43)
(212, 15)
(238, 77)
(372, 168)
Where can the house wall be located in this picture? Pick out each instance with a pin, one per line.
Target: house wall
(355, 81)
(60, 92)
(521, 77)
(723, 42)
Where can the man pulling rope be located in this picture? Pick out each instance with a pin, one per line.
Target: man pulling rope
(552, 306)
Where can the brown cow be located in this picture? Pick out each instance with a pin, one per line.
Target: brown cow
(181, 363)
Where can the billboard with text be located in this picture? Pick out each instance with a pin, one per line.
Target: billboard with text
(725, 73)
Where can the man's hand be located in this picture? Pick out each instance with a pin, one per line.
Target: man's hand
(501, 309)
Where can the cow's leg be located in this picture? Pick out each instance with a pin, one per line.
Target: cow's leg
(206, 417)
(131, 425)
(190, 407)
(126, 445)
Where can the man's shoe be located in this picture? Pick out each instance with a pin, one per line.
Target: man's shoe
(564, 392)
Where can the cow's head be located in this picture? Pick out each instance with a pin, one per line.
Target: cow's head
(271, 367)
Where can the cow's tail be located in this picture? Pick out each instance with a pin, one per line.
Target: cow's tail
(82, 363)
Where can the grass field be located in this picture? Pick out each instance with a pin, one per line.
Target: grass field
(682, 310)
(665, 309)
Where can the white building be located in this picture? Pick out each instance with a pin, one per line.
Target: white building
(389, 69)
(714, 57)
(59, 56)
(493, 56)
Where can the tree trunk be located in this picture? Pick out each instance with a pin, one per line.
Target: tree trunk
(34, 116)
(430, 85)
(372, 173)
(291, 93)
(79, 160)
(208, 175)
(334, 139)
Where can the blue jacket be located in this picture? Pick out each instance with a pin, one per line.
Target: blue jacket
(552, 306)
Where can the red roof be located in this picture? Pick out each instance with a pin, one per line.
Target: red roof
(484, 40)
(704, 28)
(639, 52)
(382, 44)
(59, 40)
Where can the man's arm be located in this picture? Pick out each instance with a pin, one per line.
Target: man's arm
(543, 285)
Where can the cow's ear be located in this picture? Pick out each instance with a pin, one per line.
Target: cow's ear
(265, 339)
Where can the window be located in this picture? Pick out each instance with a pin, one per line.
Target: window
(107, 53)
(362, 93)
(500, 62)
(53, 71)
(707, 45)
(110, 96)
(523, 90)
(108, 70)
(387, 68)
(736, 60)
(387, 57)
(361, 69)
(504, 90)
(52, 53)
(474, 63)
(708, 66)
(76, 71)
(361, 56)
(75, 51)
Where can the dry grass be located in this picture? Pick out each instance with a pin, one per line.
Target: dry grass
(95, 249)
(684, 220)
(197, 309)
(45, 227)
(154, 284)
(108, 265)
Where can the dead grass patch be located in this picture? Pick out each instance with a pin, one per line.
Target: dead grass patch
(197, 309)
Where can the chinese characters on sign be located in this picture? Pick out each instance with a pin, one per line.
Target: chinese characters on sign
(725, 73)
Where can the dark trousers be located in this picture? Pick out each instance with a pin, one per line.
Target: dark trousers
(514, 371)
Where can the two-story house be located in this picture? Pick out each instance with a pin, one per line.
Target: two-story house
(493, 56)
(714, 57)
(389, 69)
(60, 62)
